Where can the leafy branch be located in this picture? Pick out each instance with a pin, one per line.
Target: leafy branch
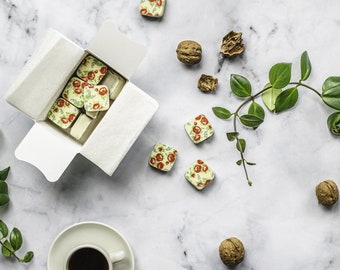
(10, 242)
(279, 95)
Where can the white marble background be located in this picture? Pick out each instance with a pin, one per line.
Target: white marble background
(167, 222)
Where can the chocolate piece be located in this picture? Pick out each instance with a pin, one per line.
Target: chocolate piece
(200, 174)
(207, 83)
(327, 192)
(93, 115)
(231, 251)
(80, 126)
(189, 52)
(162, 157)
(152, 8)
(114, 82)
(63, 113)
(199, 129)
(74, 92)
(91, 70)
(96, 98)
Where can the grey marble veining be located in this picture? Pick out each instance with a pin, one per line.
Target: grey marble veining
(168, 223)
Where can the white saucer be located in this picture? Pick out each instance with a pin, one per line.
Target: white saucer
(89, 233)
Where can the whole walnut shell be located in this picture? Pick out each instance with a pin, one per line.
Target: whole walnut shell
(189, 52)
(327, 192)
(231, 251)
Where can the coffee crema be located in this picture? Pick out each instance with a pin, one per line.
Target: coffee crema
(87, 258)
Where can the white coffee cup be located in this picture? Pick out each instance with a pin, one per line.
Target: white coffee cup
(88, 257)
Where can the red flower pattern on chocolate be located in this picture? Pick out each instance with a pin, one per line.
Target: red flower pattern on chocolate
(61, 103)
(103, 91)
(159, 157)
(91, 75)
(196, 129)
(64, 120)
(71, 117)
(96, 106)
(171, 157)
(159, 2)
(76, 83)
(160, 165)
(103, 70)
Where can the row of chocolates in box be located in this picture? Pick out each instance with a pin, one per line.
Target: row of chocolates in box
(86, 95)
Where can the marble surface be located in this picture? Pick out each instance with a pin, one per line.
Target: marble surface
(168, 223)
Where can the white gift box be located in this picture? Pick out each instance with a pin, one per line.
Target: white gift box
(44, 78)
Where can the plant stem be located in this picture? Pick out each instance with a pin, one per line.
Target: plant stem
(12, 252)
(249, 99)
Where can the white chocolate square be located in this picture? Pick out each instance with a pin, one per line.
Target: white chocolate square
(114, 82)
(80, 126)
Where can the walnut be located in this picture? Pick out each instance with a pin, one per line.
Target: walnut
(327, 193)
(232, 44)
(207, 83)
(231, 251)
(189, 52)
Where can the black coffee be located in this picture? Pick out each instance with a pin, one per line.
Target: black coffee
(87, 259)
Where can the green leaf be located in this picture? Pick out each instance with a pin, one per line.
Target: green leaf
(240, 85)
(7, 249)
(331, 92)
(256, 109)
(269, 97)
(3, 187)
(241, 145)
(239, 162)
(15, 238)
(232, 136)
(333, 123)
(305, 66)
(4, 173)
(280, 74)
(250, 120)
(4, 199)
(286, 100)
(28, 256)
(3, 229)
(221, 112)
(250, 163)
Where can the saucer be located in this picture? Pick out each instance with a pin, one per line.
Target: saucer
(89, 233)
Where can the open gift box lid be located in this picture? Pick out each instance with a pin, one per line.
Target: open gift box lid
(43, 79)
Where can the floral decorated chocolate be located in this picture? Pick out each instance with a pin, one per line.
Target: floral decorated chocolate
(74, 92)
(91, 70)
(199, 129)
(96, 98)
(63, 113)
(152, 8)
(163, 157)
(200, 174)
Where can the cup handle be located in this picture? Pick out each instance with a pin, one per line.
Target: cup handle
(117, 256)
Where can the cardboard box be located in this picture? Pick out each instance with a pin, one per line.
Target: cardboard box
(44, 78)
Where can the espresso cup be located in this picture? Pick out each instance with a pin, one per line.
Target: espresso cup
(92, 257)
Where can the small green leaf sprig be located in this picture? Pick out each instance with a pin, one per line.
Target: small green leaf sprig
(280, 94)
(4, 198)
(10, 242)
